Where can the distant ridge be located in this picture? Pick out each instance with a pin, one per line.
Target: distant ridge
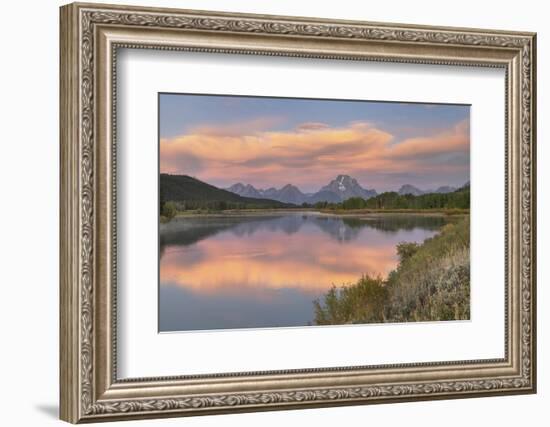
(245, 190)
(185, 188)
(415, 191)
(409, 189)
(287, 194)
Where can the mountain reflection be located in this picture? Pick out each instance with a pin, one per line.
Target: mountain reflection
(261, 262)
(187, 231)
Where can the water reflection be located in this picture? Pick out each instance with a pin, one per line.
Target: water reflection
(260, 271)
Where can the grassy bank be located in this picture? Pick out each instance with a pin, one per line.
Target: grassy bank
(396, 211)
(239, 212)
(168, 215)
(430, 283)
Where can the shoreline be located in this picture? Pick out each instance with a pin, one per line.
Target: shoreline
(327, 212)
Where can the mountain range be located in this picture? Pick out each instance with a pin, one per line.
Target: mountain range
(343, 187)
(339, 189)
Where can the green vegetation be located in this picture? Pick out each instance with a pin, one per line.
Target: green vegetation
(455, 202)
(207, 206)
(363, 302)
(431, 282)
(459, 199)
(168, 210)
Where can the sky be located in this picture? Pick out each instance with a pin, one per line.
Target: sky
(271, 142)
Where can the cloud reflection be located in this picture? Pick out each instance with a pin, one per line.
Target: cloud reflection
(311, 258)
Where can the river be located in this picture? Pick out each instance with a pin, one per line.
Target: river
(265, 270)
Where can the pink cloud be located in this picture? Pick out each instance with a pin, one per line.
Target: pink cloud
(310, 155)
(455, 139)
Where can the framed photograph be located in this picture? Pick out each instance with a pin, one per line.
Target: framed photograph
(265, 212)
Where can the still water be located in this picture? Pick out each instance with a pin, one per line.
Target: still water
(266, 270)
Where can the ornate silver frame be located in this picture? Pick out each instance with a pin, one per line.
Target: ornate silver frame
(90, 36)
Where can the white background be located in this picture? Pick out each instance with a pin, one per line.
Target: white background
(29, 171)
(145, 353)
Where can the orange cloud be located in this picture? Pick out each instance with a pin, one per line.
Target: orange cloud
(309, 155)
(455, 139)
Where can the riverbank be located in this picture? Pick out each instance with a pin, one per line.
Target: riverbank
(356, 212)
(336, 212)
(430, 283)
(199, 213)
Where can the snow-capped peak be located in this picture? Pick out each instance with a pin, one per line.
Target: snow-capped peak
(341, 186)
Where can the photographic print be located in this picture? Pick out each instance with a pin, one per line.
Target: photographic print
(291, 212)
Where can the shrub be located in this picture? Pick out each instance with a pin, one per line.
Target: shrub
(168, 210)
(434, 280)
(362, 302)
(405, 250)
